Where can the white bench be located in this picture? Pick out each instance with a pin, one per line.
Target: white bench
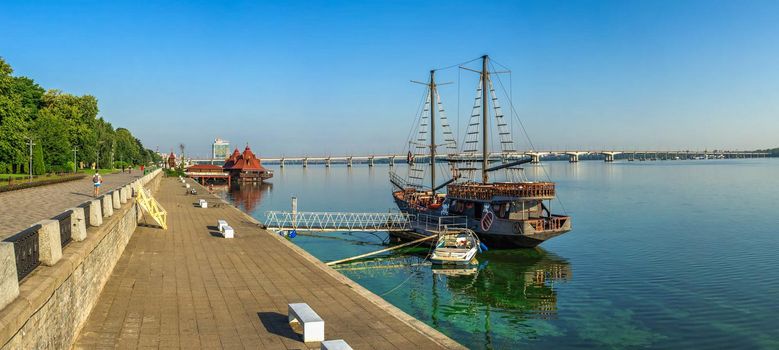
(220, 224)
(337, 344)
(313, 325)
(203, 203)
(228, 232)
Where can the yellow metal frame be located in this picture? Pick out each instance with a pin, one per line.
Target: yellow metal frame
(151, 206)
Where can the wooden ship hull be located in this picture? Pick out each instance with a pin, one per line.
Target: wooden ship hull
(513, 227)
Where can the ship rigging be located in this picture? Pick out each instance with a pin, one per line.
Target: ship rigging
(504, 214)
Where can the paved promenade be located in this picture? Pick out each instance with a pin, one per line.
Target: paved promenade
(189, 288)
(22, 208)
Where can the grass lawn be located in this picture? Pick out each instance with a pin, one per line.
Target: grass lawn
(25, 177)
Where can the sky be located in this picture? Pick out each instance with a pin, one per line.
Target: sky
(333, 77)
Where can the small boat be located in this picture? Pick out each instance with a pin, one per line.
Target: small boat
(458, 248)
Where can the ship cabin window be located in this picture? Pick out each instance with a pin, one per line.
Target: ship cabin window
(523, 210)
(501, 210)
(457, 207)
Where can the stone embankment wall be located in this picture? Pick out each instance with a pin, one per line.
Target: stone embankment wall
(48, 307)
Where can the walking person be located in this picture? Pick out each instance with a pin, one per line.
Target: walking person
(97, 180)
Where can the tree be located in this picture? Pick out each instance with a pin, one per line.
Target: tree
(49, 129)
(59, 121)
(38, 165)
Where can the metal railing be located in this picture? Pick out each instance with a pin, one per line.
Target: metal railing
(66, 227)
(440, 223)
(337, 221)
(26, 250)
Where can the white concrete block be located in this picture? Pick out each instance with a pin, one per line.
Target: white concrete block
(313, 325)
(228, 232)
(220, 224)
(337, 344)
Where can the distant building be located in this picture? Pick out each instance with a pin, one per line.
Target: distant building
(246, 167)
(220, 149)
(171, 161)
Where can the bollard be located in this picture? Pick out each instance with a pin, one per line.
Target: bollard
(116, 200)
(108, 207)
(78, 228)
(95, 213)
(49, 244)
(9, 280)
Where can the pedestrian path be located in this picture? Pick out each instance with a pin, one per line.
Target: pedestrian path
(21, 208)
(189, 288)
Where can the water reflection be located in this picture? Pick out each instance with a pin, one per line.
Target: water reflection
(247, 196)
(503, 298)
(520, 281)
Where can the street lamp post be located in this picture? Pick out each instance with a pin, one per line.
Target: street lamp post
(29, 142)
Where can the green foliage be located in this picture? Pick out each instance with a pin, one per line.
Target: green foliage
(38, 165)
(59, 122)
(49, 129)
(174, 172)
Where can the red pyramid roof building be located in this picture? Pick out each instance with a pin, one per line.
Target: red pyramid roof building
(245, 161)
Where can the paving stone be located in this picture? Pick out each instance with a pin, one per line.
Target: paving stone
(189, 288)
(22, 208)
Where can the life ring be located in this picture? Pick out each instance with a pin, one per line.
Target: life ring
(486, 220)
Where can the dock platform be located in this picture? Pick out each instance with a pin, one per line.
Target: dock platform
(188, 287)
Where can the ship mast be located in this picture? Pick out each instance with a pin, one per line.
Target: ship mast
(432, 131)
(485, 75)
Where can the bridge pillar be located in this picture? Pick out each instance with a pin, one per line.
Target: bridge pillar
(327, 162)
(370, 161)
(305, 162)
(281, 163)
(535, 158)
(349, 162)
(392, 161)
(573, 157)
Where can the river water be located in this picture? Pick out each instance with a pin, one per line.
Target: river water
(663, 254)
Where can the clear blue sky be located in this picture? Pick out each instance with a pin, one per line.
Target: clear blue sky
(333, 77)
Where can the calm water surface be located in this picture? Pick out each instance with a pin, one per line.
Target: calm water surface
(664, 254)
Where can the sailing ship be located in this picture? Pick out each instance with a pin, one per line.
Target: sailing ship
(514, 213)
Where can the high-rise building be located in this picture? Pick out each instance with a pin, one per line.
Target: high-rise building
(220, 149)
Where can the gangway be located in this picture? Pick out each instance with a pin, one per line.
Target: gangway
(337, 221)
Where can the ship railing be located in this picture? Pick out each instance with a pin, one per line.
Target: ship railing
(554, 223)
(338, 221)
(488, 191)
(440, 223)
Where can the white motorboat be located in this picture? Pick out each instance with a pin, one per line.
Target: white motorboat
(457, 247)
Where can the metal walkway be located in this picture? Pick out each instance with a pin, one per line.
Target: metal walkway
(337, 221)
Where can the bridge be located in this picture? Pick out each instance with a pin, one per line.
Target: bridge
(536, 156)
